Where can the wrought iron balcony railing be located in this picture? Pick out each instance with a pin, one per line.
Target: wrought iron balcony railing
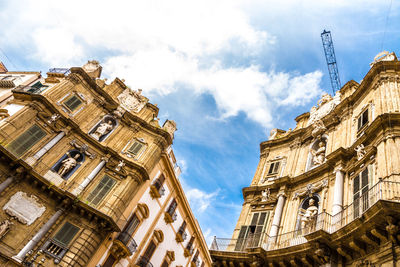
(385, 189)
(128, 241)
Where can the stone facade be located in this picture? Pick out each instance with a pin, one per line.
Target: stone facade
(87, 178)
(327, 193)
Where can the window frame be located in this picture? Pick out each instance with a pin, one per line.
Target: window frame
(361, 124)
(89, 202)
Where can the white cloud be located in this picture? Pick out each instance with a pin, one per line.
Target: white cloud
(200, 200)
(159, 46)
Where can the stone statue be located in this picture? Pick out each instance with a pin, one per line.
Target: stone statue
(102, 129)
(360, 149)
(319, 154)
(68, 164)
(120, 165)
(4, 227)
(310, 215)
(265, 194)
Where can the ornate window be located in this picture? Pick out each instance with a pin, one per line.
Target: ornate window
(57, 246)
(72, 102)
(26, 140)
(135, 148)
(170, 214)
(144, 260)
(68, 163)
(181, 234)
(189, 247)
(195, 261)
(101, 190)
(157, 189)
(126, 236)
(104, 128)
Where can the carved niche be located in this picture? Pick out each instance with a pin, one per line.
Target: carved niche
(25, 209)
(132, 100)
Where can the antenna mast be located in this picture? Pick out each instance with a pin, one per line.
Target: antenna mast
(331, 60)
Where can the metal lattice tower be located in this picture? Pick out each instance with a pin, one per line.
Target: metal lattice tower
(331, 60)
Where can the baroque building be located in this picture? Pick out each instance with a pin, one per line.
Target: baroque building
(88, 177)
(327, 193)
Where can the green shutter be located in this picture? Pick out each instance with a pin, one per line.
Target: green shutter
(66, 233)
(27, 140)
(101, 190)
(135, 148)
(73, 102)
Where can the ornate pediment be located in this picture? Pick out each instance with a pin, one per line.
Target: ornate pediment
(132, 100)
(310, 189)
(325, 105)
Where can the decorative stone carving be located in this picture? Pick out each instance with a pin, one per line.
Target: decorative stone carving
(383, 56)
(322, 253)
(4, 113)
(393, 230)
(265, 194)
(120, 165)
(318, 128)
(318, 155)
(310, 189)
(84, 148)
(360, 149)
(170, 127)
(93, 69)
(25, 209)
(132, 100)
(4, 227)
(325, 105)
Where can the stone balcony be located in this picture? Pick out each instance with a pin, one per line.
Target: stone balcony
(362, 227)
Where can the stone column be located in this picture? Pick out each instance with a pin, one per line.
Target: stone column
(277, 217)
(338, 191)
(47, 147)
(39, 235)
(6, 183)
(90, 177)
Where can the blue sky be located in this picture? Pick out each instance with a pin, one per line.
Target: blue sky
(226, 71)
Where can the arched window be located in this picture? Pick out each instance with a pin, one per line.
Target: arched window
(68, 163)
(103, 128)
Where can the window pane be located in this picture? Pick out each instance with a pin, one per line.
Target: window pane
(365, 117)
(27, 140)
(150, 250)
(101, 190)
(133, 224)
(356, 184)
(73, 102)
(276, 168)
(271, 168)
(261, 221)
(66, 233)
(364, 175)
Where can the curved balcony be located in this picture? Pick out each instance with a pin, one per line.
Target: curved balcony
(358, 227)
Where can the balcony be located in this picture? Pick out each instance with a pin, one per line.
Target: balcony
(127, 241)
(157, 190)
(181, 235)
(348, 225)
(144, 262)
(54, 249)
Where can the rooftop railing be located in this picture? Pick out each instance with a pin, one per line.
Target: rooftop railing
(385, 189)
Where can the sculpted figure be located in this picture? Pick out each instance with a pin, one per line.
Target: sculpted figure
(310, 214)
(324, 99)
(360, 149)
(319, 154)
(265, 194)
(120, 165)
(102, 129)
(68, 164)
(4, 227)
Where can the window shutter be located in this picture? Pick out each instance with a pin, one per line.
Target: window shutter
(261, 221)
(73, 102)
(101, 190)
(27, 140)
(241, 237)
(66, 233)
(135, 148)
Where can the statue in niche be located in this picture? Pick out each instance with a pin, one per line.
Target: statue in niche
(309, 216)
(68, 164)
(360, 149)
(318, 155)
(4, 228)
(120, 165)
(104, 128)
